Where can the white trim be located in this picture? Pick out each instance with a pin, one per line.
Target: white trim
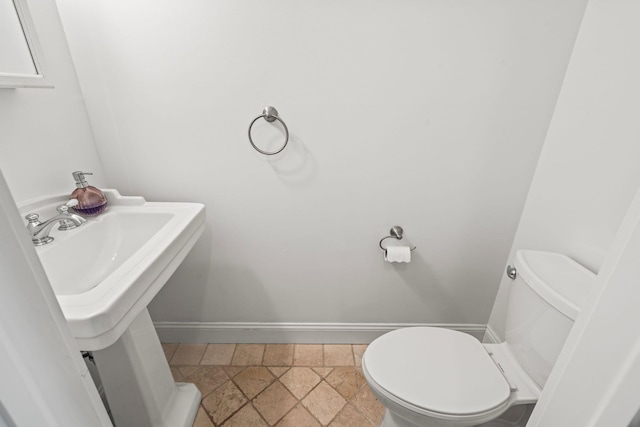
(290, 333)
(37, 80)
(490, 336)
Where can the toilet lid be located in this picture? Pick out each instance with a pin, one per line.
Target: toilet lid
(437, 369)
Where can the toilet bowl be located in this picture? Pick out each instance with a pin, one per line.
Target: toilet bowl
(440, 377)
(437, 377)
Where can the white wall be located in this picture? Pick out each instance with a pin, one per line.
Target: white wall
(425, 114)
(588, 170)
(45, 133)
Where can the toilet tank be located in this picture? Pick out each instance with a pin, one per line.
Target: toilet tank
(544, 301)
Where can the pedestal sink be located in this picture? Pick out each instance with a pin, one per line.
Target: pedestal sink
(104, 275)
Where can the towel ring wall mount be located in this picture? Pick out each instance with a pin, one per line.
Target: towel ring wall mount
(270, 114)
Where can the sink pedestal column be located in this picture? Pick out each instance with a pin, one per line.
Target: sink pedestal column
(138, 383)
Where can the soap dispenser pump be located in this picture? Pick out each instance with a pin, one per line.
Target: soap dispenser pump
(91, 201)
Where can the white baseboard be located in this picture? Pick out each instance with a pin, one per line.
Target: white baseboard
(290, 333)
(490, 336)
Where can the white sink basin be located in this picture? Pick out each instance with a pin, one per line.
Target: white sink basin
(99, 249)
(106, 272)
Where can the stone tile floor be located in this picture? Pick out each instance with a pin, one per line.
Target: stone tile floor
(281, 385)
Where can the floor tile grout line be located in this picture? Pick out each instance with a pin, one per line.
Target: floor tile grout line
(233, 413)
(250, 401)
(312, 388)
(233, 355)
(336, 415)
(353, 355)
(258, 412)
(241, 406)
(214, 389)
(206, 349)
(358, 409)
(364, 415)
(311, 391)
(207, 414)
(299, 402)
(262, 391)
(242, 391)
(288, 368)
(174, 353)
(355, 408)
(331, 369)
(203, 353)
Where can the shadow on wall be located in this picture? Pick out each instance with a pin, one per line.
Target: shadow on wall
(190, 291)
(191, 277)
(635, 422)
(419, 277)
(296, 166)
(241, 288)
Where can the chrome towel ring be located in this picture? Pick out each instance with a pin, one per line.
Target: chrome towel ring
(396, 233)
(270, 114)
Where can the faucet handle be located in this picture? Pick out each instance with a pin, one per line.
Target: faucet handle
(32, 218)
(69, 224)
(64, 209)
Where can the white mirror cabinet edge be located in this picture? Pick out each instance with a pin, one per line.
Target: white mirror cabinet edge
(39, 79)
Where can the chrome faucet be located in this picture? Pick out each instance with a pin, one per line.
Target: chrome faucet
(39, 231)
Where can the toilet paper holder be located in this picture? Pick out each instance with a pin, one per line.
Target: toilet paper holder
(396, 232)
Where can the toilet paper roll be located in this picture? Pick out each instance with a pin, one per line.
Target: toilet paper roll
(398, 254)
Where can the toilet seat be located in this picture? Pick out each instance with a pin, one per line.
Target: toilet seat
(436, 371)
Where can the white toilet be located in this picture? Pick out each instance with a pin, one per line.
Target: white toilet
(436, 377)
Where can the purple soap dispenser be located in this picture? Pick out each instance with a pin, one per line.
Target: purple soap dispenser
(91, 201)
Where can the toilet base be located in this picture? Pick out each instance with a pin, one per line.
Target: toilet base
(393, 420)
(516, 416)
